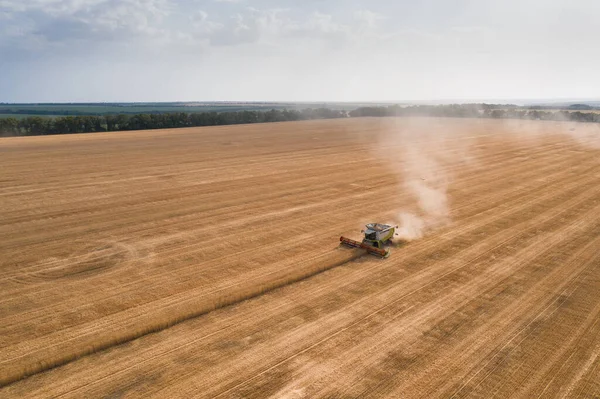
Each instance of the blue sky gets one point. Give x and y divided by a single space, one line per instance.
311 50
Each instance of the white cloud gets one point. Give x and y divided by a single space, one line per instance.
369 18
274 27
203 25
63 21
269 49
324 24
67 20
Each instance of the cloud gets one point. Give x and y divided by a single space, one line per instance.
202 24
288 28
269 27
368 18
314 49
56 21
323 25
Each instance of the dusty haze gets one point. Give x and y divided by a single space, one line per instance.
423 152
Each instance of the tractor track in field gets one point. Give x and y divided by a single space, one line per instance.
537 197
507 315
474 284
556 216
54 363
210 270
516 190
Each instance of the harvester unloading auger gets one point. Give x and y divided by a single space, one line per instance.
377 235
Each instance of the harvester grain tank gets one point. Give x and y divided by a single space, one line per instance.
377 236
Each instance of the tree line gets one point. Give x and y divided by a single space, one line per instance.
495 111
37 125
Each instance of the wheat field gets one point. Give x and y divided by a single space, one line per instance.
204 262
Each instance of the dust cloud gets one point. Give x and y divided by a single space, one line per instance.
422 152
584 134
411 226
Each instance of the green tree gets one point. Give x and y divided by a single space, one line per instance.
9 127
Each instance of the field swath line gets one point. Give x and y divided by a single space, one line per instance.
11 376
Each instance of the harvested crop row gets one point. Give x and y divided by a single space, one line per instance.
206 224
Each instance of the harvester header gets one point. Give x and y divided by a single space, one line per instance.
377 236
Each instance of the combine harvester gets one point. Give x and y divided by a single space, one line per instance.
377 235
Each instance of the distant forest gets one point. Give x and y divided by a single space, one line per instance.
495 111
37 125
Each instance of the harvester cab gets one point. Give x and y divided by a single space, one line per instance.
377 236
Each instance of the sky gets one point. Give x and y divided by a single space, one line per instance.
309 50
